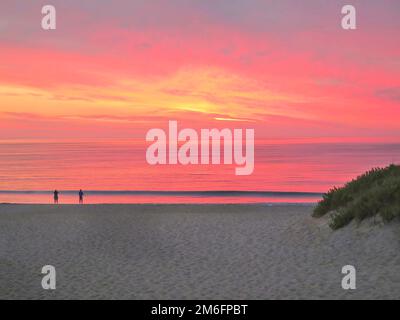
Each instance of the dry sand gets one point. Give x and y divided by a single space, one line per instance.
191 252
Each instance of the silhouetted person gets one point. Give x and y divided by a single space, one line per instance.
81 196
56 196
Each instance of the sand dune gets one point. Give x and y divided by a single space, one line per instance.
191 252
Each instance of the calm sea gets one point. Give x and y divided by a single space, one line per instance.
117 172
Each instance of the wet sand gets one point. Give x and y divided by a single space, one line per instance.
192 252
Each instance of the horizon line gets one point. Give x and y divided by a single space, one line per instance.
163 192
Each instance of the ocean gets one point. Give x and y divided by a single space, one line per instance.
117 172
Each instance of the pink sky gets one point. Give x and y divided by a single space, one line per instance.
119 68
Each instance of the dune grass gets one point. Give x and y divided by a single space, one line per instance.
376 192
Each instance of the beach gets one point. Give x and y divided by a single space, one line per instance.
189 251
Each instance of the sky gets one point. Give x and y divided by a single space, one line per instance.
115 69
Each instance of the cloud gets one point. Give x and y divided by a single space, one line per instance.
119 61
392 94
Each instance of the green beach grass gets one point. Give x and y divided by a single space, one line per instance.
376 192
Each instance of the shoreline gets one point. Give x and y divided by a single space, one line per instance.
158 197
274 204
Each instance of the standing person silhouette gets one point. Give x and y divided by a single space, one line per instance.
56 196
81 196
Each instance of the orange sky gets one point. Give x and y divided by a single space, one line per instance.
117 69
